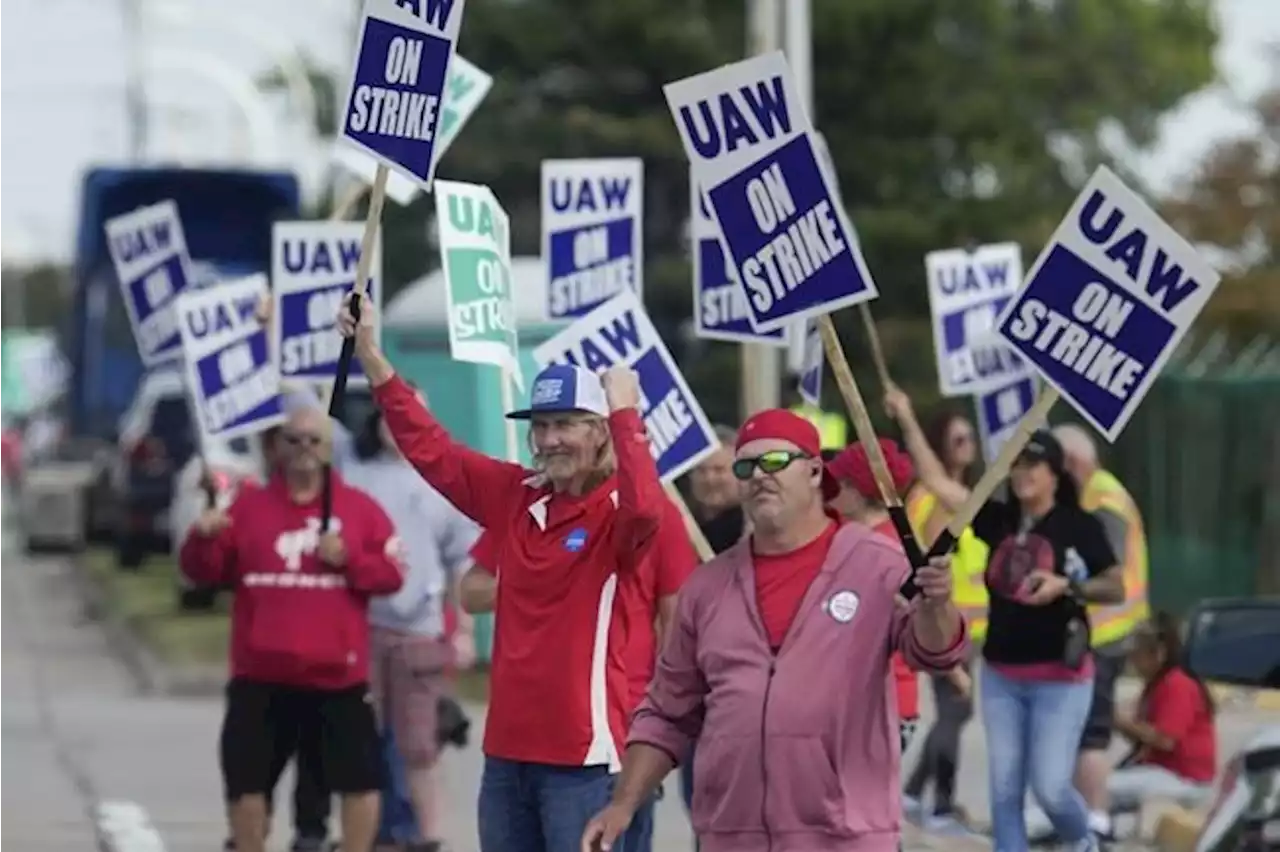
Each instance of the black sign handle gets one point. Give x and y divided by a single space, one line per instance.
337 402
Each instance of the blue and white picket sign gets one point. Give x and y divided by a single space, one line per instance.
149 251
231 377
968 289
394 105
1107 302
313 266
620 332
815 361
1001 409
752 149
592 233
465 87
719 302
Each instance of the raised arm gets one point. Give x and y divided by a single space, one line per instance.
209 556
929 467
482 488
640 495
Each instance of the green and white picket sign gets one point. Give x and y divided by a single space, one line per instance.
475 253
464 89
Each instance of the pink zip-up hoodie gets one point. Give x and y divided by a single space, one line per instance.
798 751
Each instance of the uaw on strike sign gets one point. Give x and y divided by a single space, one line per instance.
1107 302
968 290
398 82
313 266
149 252
719 303
592 232
753 151
620 332
233 382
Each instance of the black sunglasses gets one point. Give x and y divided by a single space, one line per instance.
770 462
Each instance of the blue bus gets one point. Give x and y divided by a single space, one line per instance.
227 216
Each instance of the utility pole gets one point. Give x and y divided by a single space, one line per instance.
135 96
798 45
761 365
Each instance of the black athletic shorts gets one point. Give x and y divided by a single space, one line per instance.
1108 664
266 723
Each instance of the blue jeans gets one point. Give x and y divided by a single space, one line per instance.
398 823
532 807
1033 732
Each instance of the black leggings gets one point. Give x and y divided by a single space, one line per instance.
940 758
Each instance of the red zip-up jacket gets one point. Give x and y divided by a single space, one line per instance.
558 690
295 620
796 751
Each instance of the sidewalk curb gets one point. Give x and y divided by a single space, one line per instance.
152 675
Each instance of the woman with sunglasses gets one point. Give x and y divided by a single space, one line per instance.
571 531
1049 558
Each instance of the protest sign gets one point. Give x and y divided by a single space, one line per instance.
1107 302
719 302
231 377
313 266
1000 410
592 232
476 256
465 87
810 382
752 150
394 104
967 291
149 252
620 332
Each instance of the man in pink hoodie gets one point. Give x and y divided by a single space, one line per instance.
778 665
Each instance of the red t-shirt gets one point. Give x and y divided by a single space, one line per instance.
1176 707
905 682
782 580
663 572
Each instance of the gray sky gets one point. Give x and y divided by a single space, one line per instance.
59 117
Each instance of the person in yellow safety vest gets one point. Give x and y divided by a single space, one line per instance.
1110 626
946 453
832 427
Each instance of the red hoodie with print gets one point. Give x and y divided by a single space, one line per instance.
296 620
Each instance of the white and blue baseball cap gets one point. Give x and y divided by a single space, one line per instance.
562 388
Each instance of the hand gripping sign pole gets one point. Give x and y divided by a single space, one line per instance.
875 456
337 398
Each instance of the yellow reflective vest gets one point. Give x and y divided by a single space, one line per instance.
968 562
832 428
1112 622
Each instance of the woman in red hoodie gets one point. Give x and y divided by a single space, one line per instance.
859 501
299 632
573 531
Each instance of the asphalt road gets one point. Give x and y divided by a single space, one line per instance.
83 748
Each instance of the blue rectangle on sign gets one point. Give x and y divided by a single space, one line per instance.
674 433
589 266
721 306
394 106
1000 411
152 295
309 340
1086 334
236 386
784 232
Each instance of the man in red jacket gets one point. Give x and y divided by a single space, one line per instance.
778 665
299 632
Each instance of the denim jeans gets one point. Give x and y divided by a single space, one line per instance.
532 807
1033 732
398 823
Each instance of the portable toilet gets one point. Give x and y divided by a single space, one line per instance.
467 398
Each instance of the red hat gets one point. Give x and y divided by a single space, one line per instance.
781 425
853 466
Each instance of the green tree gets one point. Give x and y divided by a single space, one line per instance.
949 122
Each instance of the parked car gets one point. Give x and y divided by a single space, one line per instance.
216 473
157 438
1237 641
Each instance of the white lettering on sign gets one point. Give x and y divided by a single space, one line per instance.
404 61
304 352
723 304
323 307
793 255
596 284
158 287
666 422
1070 340
1009 405
242 398
483 317
234 363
